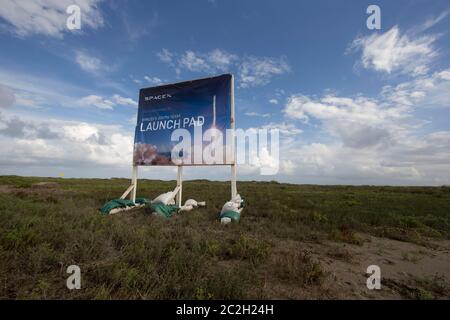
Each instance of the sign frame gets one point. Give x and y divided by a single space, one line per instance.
132 189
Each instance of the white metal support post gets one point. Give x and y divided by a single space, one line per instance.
233 136
233 181
179 196
134 183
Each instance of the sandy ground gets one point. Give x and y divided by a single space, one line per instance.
408 271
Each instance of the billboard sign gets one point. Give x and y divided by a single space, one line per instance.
174 120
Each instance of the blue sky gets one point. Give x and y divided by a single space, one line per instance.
353 105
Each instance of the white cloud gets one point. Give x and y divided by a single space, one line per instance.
15 127
445 75
193 62
221 59
135 80
288 129
75 144
371 140
96 101
165 56
335 108
154 80
255 71
212 61
414 159
263 159
89 63
273 101
47 17
80 132
256 114
392 51
124 101
29 100
216 60
426 91
335 163
432 21
358 122
38 91
105 103
42 144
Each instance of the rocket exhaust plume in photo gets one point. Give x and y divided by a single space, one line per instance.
214 113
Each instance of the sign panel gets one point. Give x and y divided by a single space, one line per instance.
192 106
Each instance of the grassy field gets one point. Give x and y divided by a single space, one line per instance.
274 252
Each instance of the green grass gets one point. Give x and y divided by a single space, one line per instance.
136 255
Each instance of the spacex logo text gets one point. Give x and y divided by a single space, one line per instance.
158 97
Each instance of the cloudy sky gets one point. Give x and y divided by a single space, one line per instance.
353 105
